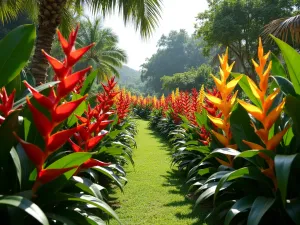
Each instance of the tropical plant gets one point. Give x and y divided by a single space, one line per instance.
105 57
47 180
247 172
50 14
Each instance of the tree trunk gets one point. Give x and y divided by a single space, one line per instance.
50 12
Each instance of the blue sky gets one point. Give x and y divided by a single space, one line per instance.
177 14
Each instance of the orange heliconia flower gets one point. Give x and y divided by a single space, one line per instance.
224 103
262 113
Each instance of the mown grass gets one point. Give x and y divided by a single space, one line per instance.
154 194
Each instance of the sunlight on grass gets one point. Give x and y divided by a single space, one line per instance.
153 195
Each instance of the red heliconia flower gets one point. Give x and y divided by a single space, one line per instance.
95 120
6 105
58 108
122 106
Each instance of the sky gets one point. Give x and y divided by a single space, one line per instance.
176 15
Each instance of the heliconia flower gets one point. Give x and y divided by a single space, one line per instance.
34 153
200 99
58 108
7 102
263 113
46 175
223 102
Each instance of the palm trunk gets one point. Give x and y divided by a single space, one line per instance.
49 18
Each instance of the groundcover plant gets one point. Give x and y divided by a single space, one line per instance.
240 154
61 149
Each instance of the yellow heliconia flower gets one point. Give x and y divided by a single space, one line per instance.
262 113
177 93
154 101
162 100
200 99
225 103
173 97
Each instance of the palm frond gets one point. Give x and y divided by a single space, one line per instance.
284 28
144 14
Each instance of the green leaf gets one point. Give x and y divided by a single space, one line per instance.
61 197
277 67
79 110
244 84
240 206
260 206
202 119
251 153
208 170
88 83
230 176
26 205
216 216
283 165
240 126
15 51
88 186
292 106
108 172
73 159
293 209
10 125
292 58
287 138
285 85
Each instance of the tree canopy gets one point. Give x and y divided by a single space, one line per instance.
177 53
237 24
193 78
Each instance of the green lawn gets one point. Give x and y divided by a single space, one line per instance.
153 195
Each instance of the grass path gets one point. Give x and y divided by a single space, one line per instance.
153 195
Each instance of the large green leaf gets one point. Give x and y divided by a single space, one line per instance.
88 82
15 51
244 84
71 217
61 197
293 209
26 205
285 85
202 119
250 156
240 125
283 165
73 159
79 110
219 212
230 176
291 58
277 67
109 173
260 206
240 206
292 107
88 186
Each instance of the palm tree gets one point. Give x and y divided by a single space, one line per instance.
105 56
144 14
284 28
